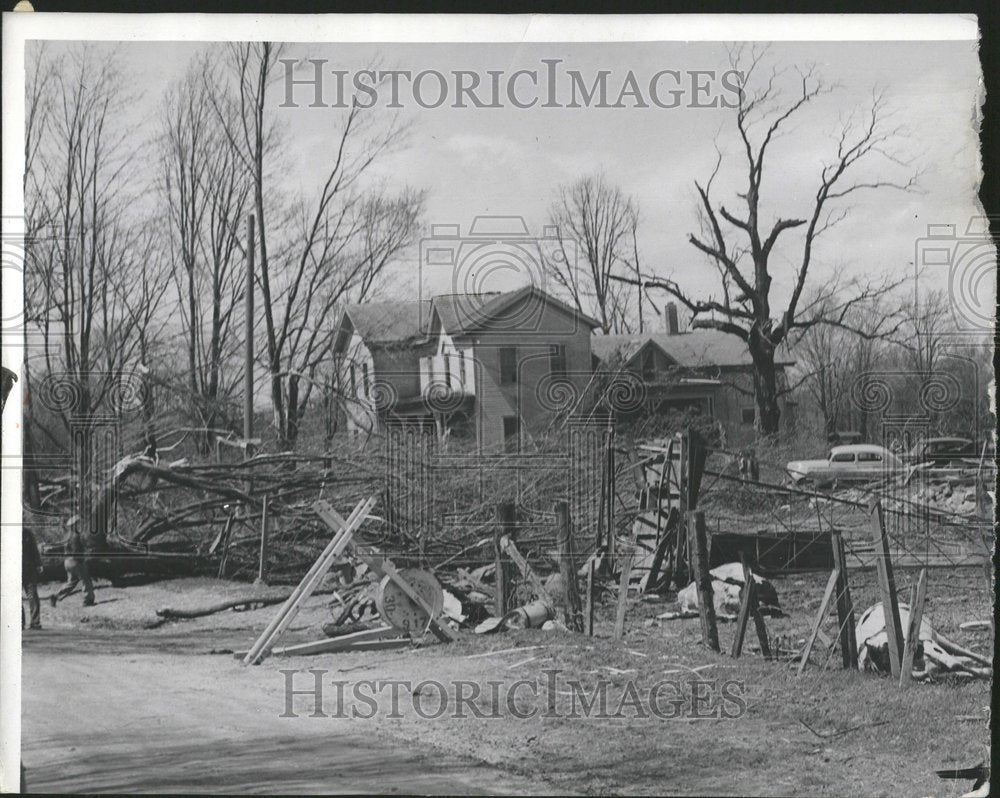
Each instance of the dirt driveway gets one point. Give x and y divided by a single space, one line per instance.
143 717
111 706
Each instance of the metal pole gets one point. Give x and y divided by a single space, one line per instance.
248 385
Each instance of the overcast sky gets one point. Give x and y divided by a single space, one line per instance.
510 161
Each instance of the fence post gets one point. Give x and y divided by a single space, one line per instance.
262 567
706 598
567 567
845 607
887 584
504 565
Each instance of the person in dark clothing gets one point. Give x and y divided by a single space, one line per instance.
76 568
31 569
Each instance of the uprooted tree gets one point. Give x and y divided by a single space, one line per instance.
741 245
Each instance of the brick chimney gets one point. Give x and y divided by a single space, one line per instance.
670 319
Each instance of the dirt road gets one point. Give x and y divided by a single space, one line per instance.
144 717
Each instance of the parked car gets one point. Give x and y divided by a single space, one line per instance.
942 451
857 462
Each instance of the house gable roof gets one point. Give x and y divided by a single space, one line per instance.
467 313
382 324
692 349
402 323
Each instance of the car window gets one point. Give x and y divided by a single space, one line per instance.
869 457
842 457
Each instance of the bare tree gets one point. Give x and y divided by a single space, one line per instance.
80 275
928 327
596 224
323 251
38 263
831 357
741 246
206 192
92 281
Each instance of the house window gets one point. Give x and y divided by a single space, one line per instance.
508 365
747 415
557 360
447 370
364 378
511 434
354 381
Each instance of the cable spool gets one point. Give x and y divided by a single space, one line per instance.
398 610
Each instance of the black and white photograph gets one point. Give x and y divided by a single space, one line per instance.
525 405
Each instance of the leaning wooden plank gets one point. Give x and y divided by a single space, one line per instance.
743 618
706 599
510 549
383 567
361 645
918 594
820 615
623 593
845 607
887 585
309 582
269 635
347 535
665 541
331 644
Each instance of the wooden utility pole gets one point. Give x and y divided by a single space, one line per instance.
567 567
248 379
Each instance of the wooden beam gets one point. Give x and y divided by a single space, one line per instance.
504 575
227 534
508 547
588 614
918 593
341 643
623 593
309 582
887 585
742 619
845 607
831 585
573 615
262 566
750 607
706 598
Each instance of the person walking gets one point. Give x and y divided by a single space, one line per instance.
76 568
31 569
